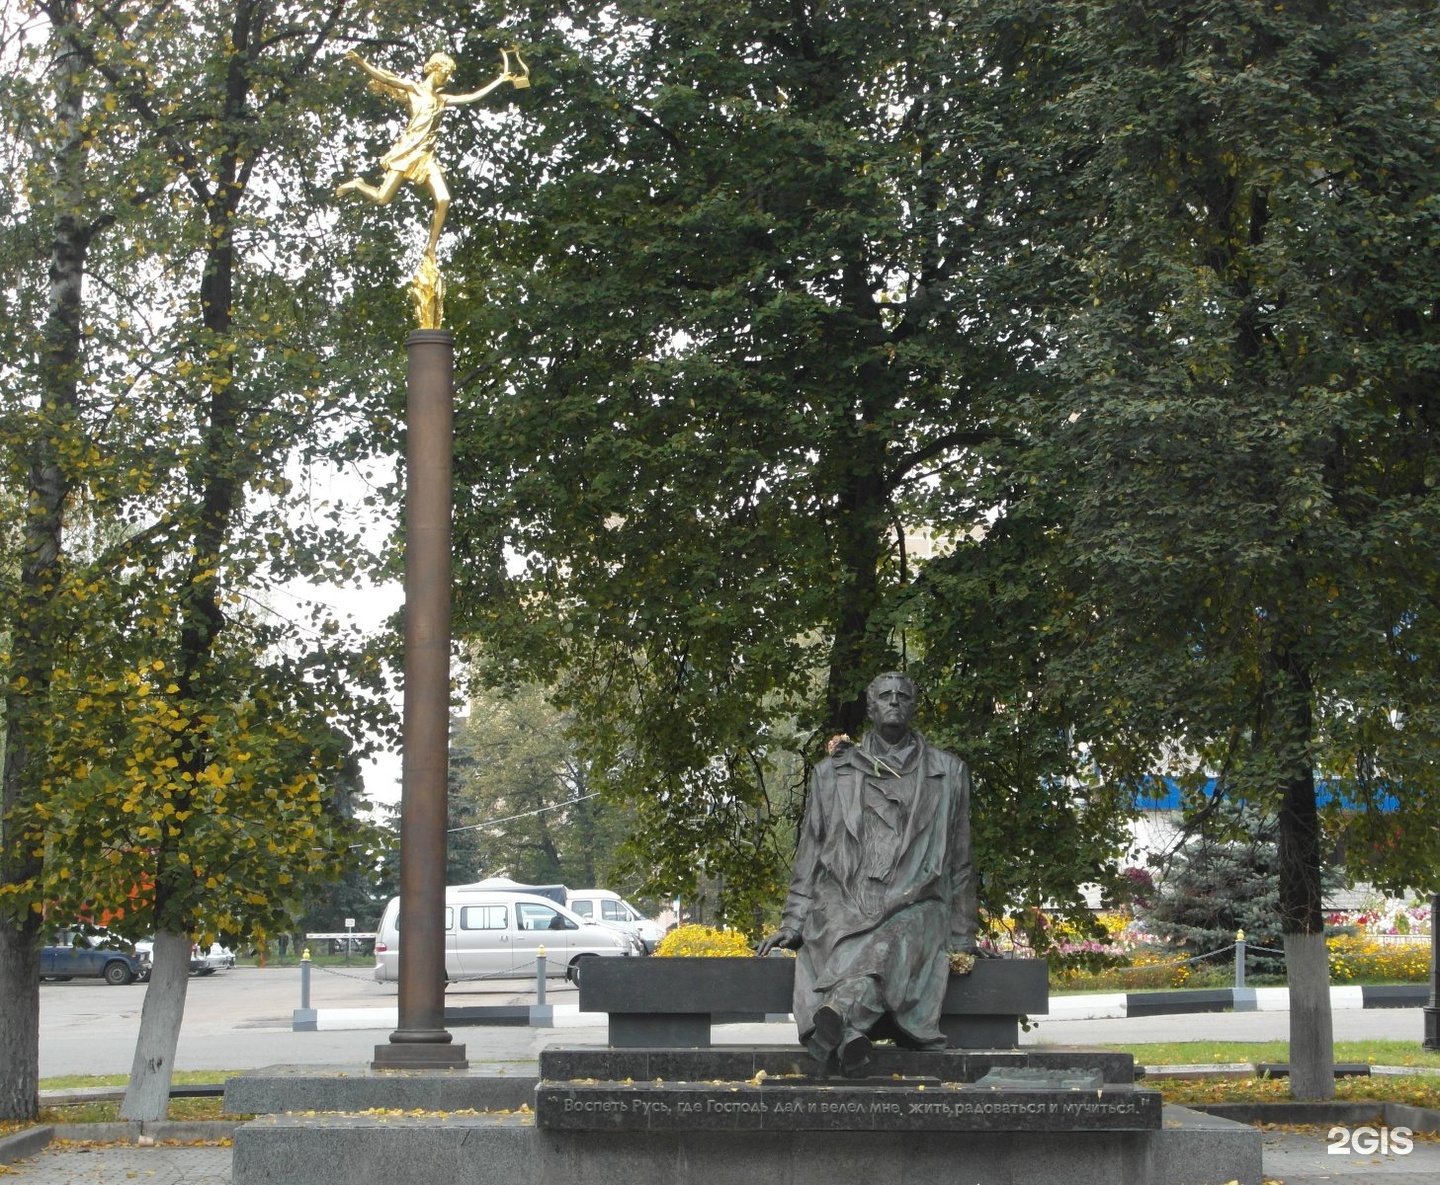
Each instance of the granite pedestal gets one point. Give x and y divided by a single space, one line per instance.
1189 1149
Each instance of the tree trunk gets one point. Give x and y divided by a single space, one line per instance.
33 632
19 1019
201 618
856 654
1312 1036
148 1095
1302 919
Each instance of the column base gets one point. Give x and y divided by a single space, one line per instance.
419 1055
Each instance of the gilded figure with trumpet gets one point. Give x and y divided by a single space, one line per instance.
413 159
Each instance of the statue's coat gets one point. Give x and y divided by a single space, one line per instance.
898 929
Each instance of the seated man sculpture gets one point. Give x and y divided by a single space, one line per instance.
882 888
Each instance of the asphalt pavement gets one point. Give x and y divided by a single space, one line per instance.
242 1019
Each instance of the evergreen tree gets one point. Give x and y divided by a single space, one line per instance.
1220 881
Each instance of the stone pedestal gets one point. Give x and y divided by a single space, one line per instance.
1189 1149
1044 1116
905 1091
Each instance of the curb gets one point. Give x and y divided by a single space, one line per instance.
24 1143
1087 1006
1128 1005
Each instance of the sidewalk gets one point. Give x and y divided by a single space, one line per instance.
1293 1158
112 1164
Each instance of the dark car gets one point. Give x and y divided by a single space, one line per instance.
73 955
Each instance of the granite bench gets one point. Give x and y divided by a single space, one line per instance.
671 1003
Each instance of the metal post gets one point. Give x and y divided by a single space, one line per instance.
1242 999
304 1019
1432 1010
421 1040
540 961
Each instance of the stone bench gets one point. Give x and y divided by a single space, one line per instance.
661 1003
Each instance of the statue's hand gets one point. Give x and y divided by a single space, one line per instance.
784 937
352 55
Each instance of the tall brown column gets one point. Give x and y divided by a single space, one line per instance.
421 1041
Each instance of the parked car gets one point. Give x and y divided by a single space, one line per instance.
217 958
608 908
491 934
74 955
202 962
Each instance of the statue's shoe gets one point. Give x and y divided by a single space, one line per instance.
854 1054
829 1029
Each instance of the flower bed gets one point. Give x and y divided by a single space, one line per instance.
1355 957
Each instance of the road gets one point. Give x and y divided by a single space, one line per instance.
241 1019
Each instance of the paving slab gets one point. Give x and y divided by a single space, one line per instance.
1314 1156
122 1164
1293 1158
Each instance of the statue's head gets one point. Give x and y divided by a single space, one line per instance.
442 65
890 701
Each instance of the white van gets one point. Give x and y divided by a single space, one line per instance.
601 905
497 935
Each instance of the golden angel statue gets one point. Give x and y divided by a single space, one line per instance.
413 156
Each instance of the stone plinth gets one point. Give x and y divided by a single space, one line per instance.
760 1089
1190 1149
277 1089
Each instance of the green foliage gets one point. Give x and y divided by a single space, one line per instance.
1240 431
187 733
733 341
523 797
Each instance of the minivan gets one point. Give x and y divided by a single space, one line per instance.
491 934
609 908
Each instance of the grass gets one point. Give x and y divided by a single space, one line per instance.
1417 1090
180 1078
108 1111
1207 1053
